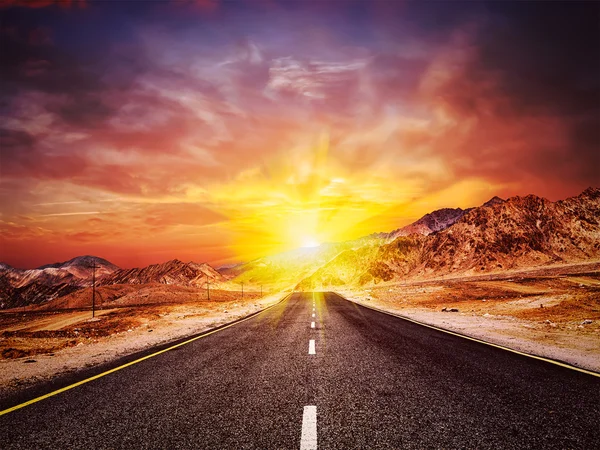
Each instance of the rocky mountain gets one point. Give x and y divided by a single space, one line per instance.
32 286
495 200
430 223
82 266
171 272
521 232
499 235
435 221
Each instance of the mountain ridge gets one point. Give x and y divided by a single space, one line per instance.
169 272
500 234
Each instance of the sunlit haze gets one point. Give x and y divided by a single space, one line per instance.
224 131
310 243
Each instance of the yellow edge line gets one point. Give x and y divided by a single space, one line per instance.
512 350
131 363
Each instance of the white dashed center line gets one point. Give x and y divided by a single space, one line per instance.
313 314
308 440
312 324
311 347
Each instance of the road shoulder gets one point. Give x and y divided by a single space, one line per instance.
520 335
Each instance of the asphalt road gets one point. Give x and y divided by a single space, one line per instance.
376 381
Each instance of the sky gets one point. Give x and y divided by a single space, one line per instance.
222 131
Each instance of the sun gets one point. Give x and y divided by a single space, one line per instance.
310 242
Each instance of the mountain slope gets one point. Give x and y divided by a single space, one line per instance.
31 286
368 264
82 266
431 223
171 272
519 232
285 270
435 221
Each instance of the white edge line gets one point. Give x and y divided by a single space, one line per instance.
481 341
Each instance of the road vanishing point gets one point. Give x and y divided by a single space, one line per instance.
314 371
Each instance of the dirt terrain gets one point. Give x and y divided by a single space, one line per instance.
38 344
552 312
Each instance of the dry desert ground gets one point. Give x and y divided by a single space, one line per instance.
552 312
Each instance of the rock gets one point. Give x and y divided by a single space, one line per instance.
453 310
486 315
444 309
29 361
587 322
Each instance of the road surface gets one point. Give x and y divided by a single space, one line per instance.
358 379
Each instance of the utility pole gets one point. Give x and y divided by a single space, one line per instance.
207 287
261 290
242 290
93 289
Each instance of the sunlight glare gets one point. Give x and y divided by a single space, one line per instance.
310 243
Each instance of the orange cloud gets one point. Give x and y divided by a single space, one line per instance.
226 147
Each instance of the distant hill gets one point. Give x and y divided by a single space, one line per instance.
82 266
36 286
20 287
284 270
171 272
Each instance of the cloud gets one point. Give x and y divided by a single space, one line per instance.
508 118
42 3
78 213
219 120
172 214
